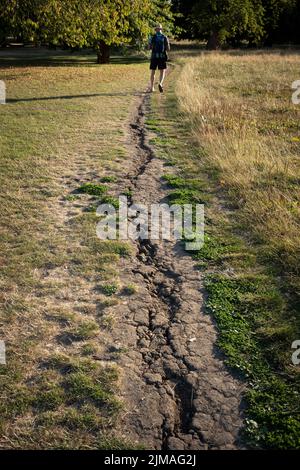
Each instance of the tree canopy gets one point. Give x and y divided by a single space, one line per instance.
232 21
83 23
101 23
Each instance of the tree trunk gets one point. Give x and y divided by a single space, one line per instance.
103 53
214 41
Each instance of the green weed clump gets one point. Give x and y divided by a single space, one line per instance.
109 179
109 289
82 388
112 201
84 330
174 181
93 189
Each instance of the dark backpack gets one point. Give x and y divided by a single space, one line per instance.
159 46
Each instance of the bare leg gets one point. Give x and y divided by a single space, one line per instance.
152 78
161 80
162 77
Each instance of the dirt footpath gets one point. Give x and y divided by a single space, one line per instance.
177 391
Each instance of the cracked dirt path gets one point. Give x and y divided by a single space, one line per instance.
177 391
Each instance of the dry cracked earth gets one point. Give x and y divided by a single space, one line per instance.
177 391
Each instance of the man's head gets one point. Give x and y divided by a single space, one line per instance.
158 28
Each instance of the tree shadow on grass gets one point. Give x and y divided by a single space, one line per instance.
45 58
71 97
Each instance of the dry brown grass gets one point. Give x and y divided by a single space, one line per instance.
234 136
242 114
63 126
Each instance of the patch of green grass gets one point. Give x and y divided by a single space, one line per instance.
218 249
121 249
82 383
177 182
83 418
174 181
61 316
109 179
65 364
113 247
274 415
109 289
273 403
170 163
49 400
93 189
154 125
92 209
84 389
186 196
112 201
83 330
18 402
212 250
128 193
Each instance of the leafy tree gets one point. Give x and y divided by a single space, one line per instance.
85 23
220 20
230 21
280 24
20 18
4 28
185 27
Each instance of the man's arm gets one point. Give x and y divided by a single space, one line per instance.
150 44
167 44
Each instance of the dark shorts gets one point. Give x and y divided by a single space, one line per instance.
160 64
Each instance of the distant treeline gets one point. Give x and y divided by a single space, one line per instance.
234 22
101 23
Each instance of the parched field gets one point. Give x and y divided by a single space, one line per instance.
62 127
113 345
243 115
240 109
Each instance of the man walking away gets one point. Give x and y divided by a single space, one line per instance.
160 46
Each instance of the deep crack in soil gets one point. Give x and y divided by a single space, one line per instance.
177 391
